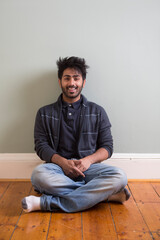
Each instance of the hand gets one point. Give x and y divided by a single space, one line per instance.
71 170
83 164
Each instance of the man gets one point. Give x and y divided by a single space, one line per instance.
73 136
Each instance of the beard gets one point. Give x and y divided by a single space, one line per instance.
72 94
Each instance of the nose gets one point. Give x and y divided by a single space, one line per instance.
71 81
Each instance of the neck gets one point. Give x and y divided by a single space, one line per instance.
70 100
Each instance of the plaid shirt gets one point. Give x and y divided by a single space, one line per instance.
94 130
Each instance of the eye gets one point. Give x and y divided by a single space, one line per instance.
76 78
66 78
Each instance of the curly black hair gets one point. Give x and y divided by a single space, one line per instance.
72 62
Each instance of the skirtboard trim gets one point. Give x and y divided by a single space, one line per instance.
136 166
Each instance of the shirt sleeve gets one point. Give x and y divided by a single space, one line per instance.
105 139
43 146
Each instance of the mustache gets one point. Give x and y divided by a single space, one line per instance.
72 86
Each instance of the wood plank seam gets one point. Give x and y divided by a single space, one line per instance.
4 191
82 225
142 215
155 190
113 219
49 225
145 221
16 225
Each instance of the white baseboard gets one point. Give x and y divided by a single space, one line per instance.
137 166
18 165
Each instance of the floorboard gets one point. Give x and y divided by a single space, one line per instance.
156 187
144 192
35 225
10 208
138 218
98 223
128 220
66 226
3 188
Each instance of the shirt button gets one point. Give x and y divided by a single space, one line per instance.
70 114
70 105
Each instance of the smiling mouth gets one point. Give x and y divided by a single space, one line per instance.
72 89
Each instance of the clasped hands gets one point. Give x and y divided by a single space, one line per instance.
75 168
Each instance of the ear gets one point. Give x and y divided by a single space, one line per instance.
59 81
84 82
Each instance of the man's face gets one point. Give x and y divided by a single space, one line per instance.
71 85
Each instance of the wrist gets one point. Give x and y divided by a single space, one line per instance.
57 159
88 159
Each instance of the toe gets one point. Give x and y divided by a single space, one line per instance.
24 203
127 194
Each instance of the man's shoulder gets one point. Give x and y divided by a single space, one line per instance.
48 108
93 105
51 106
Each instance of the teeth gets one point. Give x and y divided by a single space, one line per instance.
72 88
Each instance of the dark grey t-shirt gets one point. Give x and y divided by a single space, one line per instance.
69 129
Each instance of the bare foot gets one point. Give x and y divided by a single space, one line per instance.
121 197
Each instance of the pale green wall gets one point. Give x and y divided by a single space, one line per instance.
120 41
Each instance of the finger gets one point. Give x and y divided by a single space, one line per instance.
77 162
79 172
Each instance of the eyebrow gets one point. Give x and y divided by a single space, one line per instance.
76 75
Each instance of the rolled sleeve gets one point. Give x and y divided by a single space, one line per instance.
105 139
43 146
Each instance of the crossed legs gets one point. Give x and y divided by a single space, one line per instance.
101 182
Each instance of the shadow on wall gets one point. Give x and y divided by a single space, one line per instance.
31 94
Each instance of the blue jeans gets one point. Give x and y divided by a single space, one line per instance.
73 195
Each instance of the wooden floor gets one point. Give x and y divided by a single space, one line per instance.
138 218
